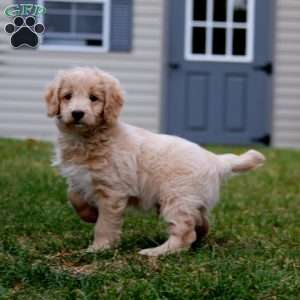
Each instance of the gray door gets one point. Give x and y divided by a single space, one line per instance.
219 70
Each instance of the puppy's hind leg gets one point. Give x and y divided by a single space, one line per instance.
182 234
86 212
202 226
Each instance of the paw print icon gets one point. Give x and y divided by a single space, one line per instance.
24 32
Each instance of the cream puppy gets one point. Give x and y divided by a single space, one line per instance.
110 165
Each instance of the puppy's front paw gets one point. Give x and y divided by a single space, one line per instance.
150 252
99 246
162 250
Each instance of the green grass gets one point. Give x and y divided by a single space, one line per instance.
251 252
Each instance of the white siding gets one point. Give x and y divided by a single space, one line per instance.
286 117
25 73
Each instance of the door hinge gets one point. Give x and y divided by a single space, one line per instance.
174 65
267 68
265 140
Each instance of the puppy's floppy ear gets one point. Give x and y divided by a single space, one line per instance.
52 97
114 99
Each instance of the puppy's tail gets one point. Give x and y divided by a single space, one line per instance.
236 164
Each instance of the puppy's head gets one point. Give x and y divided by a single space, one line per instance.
84 98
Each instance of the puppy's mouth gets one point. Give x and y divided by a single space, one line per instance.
71 124
79 125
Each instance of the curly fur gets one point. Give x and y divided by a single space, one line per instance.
110 165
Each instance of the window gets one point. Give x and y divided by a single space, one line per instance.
76 24
219 30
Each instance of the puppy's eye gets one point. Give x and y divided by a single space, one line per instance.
68 96
93 98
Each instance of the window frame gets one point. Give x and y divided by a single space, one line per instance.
106 30
229 25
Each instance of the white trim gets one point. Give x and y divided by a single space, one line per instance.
218 24
209 29
83 1
229 25
63 48
251 29
105 34
229 31
218 58
187 30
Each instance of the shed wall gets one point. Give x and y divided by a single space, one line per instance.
25 73
286 112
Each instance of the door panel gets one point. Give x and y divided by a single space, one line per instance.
216 90
197 98
235 100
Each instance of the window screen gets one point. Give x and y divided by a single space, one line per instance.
73 23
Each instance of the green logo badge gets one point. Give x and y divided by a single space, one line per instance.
24 10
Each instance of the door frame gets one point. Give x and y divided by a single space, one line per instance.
165 101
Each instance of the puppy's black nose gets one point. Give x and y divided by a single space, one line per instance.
77 115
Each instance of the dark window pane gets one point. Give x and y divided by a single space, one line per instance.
199 10
219 41
220 10
62 41
94 42
57 5
89 6
89 24
57 23
71 41
239 42
240 11
199 36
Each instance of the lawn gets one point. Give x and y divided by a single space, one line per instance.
251 252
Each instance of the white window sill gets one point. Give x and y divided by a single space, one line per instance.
85 49
218 58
